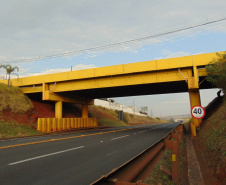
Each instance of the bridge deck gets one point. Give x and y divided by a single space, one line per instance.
149 77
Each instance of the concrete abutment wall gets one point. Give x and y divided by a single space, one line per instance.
56 124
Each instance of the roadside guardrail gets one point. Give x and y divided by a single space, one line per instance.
135 171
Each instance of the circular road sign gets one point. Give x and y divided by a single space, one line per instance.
198 112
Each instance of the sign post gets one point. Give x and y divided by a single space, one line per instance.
198 112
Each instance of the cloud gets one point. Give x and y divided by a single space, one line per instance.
59 70
52 27
169 54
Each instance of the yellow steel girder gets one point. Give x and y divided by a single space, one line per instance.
124 69
124 80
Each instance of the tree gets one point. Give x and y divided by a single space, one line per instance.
9 69
216 71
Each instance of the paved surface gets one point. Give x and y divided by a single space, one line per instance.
75 158
194 172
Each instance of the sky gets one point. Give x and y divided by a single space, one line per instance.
50 36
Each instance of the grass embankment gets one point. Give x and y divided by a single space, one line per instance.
211 141
161 174
11 129
13 100
107 117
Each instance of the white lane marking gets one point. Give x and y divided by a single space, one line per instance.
119 137
142 131
41 156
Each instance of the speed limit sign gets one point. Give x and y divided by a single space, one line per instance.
198 112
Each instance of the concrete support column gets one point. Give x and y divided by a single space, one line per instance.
58 109
85 111
195 100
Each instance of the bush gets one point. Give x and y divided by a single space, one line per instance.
216 71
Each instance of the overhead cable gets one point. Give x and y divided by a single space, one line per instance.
117 43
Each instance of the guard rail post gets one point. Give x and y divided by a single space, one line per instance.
175 161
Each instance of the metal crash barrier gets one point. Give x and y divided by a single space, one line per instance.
55 124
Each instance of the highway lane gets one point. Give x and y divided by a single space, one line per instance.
76 158
18 141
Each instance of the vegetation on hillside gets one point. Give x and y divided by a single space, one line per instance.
107 117
13 99
162 173
11 129
216 71
212 141
132 119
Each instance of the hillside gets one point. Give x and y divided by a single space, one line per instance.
210 143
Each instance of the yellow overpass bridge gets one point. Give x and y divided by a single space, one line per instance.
174 75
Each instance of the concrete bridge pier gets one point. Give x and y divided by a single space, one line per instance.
193 89
85 111
58 109
194 100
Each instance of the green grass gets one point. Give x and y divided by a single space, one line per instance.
214 141
157 176
180 158
12 129
110 122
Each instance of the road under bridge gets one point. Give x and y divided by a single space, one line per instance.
173 75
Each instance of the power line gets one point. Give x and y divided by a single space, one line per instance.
118 43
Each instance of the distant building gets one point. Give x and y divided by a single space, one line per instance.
111 104
2 77
134 108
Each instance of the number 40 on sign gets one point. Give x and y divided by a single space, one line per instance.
198 112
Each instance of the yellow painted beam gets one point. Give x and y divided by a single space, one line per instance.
27 90
125 80
49 89
202 72
139 67
57 97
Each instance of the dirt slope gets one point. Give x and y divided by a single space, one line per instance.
210 143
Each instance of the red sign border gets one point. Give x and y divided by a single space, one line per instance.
201 108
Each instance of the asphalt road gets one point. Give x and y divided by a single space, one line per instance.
78 158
